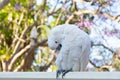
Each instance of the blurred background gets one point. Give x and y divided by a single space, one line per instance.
26 24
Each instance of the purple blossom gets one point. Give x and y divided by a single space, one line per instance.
84 23
88 24
80 24
103 17
64 7
111 1
18 6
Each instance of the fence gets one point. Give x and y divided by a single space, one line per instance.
52 76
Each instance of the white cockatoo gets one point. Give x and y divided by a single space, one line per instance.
74 48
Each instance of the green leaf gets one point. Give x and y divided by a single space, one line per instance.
45 29
3 15
47 7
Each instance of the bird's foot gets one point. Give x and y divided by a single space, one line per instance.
59 72
65 72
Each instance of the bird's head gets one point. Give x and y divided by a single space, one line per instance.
53 43
55 39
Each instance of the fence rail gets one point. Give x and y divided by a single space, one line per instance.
52 76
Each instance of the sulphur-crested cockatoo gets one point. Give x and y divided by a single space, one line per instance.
74 48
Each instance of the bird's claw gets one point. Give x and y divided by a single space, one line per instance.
66 71
59 72
63 72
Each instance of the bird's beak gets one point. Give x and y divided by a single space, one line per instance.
59 47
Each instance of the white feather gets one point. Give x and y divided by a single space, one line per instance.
75 50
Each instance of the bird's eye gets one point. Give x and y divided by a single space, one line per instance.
56 42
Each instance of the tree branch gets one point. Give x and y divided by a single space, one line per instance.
93 12
70 18
54 11
17 53
19 39
26 30
104 47
28 54
17 56
93 64
3 3
44 3
59 17
46 66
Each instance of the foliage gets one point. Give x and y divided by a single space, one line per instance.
20 52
